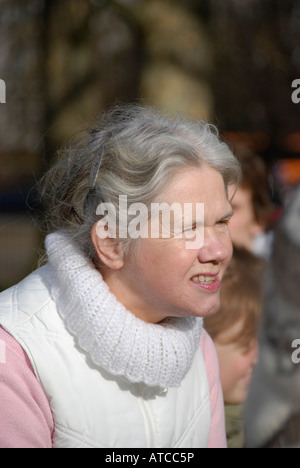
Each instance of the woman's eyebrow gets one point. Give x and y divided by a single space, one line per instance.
227 215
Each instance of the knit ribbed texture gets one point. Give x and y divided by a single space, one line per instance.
116 340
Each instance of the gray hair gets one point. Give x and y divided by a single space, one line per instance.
141 150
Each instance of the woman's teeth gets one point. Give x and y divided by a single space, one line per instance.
203 279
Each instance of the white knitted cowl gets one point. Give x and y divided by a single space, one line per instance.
116 340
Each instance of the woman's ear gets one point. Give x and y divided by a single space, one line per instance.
108 250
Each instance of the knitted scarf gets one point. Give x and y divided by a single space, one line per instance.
116 340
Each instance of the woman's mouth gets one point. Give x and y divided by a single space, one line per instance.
208 282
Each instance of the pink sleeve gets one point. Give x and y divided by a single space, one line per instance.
26 419
217 436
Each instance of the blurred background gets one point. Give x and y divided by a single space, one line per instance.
230 62
234 63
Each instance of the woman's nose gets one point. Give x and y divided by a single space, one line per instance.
215 249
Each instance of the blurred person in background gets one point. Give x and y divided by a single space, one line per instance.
272 410
252 205
234 330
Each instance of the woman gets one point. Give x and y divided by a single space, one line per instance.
102 343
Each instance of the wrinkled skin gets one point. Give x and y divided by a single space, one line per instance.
273 405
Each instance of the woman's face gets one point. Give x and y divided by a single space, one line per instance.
165 278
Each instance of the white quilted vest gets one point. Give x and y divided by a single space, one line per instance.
92 408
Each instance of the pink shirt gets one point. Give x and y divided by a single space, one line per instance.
25 416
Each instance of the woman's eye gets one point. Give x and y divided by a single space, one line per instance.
190 232
224 223
188 228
